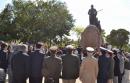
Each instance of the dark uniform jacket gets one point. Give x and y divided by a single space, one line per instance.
3 60
127 63
52 67
20 65
111 69
71 65
36 60
104 69
117 71
2 75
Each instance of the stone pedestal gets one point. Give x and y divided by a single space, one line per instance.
91 37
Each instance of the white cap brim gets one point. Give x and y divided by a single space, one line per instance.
90 49
53 48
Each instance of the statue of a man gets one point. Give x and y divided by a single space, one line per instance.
92 15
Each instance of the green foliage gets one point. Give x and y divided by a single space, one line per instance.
103 36
7 26
103 33
77 31
38 20
118 38
126 48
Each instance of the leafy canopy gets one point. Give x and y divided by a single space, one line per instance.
118 37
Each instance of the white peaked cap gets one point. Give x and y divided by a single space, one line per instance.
70 47
53 48
102 48
105 49
90 49
116 49
110 51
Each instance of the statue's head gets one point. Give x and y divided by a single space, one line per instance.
92 6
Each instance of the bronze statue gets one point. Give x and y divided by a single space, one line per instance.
92 15
93 20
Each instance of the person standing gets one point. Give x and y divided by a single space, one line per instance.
121 65
52 67
116 66
126 77
15 50
89 67
1 42
111 67
105 67
20 65
36 60
4 56
71 65
79 49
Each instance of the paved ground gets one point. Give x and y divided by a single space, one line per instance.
77 81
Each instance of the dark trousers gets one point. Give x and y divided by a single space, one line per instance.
35 79
2 82
120 78
51 80
102 80
19 80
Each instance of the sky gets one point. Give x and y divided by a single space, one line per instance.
115 14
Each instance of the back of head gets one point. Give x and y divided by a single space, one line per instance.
103 50
53 49
23 48
30 48
39 45
1 42
90 51
4 45
69 49
115 51
15 48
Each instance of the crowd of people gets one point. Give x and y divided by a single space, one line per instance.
21 62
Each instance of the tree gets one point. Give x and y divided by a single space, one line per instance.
126 48
118 38
78 30
42 21
103 36
36 21
7 24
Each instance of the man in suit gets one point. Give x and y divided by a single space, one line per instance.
105 66
1 42
4 56
36 60
117 71
52 66
119 66
20 65
71 64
